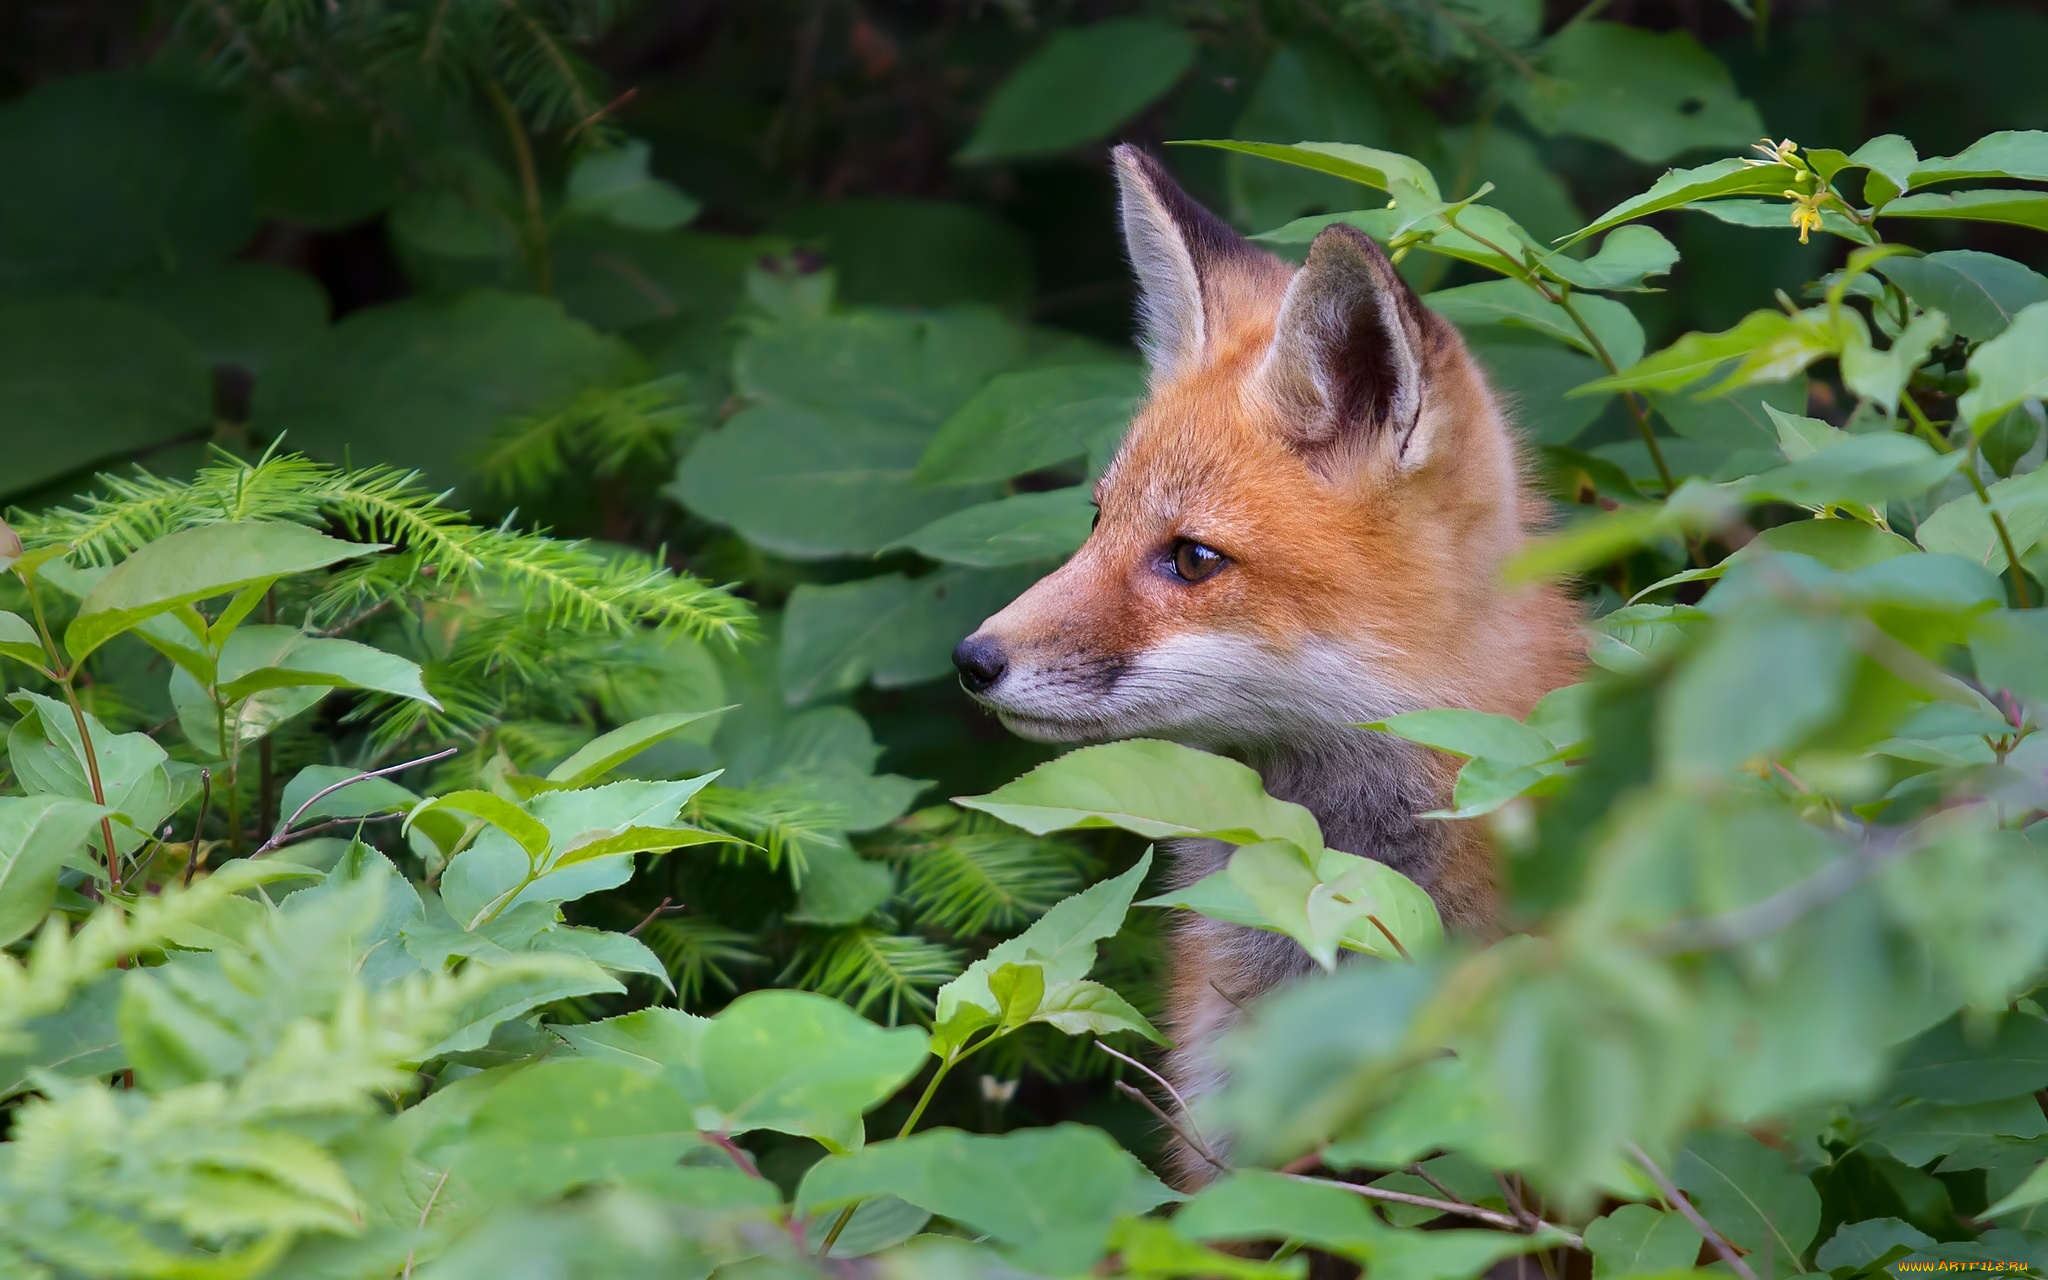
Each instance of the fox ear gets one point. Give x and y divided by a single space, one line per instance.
1346 358
1176 247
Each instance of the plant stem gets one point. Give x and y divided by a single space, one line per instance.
1692 1215
931 1091
1522 272
65 681
529 188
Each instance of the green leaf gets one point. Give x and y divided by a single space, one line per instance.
78 1041
136 779
2017 208
615 185
809 485
518 989
1730 177
1979 292
801 1064
1152 789
916 253
2008 369
636 840
1627 257
1253 1204
1751 1194
1636 1240
1013 530
37 835
1367 166
238 314
1962 526
557 1125
1061 943
425 381
499 812
1651 95
264 657
1532 374
2006 645
1613 326
1856 1246
1325 902
1049 1196
879 366
2030 1192
1769 346
18 640
1469 733
1018 990
1758 687
1918 1132
1869 469
100 380
1089 1008
2009 153
1958 1063
1881 376
889 629
1079 87
608 751
1032 419
104 183
1890 160
198 564
1776 215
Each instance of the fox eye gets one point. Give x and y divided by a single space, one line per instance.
1193 561
1095 520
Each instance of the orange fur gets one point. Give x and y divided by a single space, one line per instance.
1362 578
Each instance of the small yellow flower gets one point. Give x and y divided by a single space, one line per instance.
1806 211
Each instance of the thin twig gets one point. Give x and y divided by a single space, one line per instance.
1678 1201
667 904
198 849
324 792
1501 1220
1507 1190
1194 1143
432 1196
1441 1189
1162 1081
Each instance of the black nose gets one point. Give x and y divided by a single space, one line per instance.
981 663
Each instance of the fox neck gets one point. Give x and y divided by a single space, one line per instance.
1365 789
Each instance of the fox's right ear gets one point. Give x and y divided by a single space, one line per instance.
1175 247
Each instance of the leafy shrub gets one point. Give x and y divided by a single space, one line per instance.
387 892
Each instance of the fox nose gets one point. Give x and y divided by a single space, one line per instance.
981 663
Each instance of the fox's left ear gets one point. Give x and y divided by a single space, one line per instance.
1346 359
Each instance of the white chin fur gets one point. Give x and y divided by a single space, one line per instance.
1200 689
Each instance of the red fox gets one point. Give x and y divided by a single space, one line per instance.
1302 530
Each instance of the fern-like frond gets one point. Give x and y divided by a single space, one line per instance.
576 584
864 967
606 429
781 820
968 874
698 952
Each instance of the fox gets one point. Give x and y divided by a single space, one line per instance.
1302 530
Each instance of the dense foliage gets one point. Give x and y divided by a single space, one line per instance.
391 886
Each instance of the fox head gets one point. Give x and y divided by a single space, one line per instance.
1304 524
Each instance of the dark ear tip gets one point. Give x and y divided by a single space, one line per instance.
1343 239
